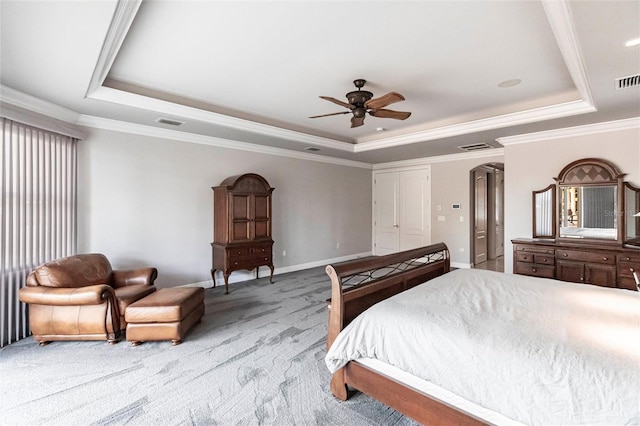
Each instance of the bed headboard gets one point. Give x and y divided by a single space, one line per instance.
358 284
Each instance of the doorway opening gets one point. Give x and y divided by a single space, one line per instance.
487 217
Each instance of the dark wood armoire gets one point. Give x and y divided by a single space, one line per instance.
242 226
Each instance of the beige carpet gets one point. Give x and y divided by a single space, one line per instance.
257 358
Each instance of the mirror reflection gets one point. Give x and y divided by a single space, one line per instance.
589 212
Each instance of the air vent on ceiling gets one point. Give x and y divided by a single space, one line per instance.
169 121
630 81
475 147
312 149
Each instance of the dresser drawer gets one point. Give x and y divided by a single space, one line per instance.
261 250
520 248
542 271
628 263
583 256
524 257
544 259
238 252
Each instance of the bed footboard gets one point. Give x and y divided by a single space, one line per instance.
355 286
359 284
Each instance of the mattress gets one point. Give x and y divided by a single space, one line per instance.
536 351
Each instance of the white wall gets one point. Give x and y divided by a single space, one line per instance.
532 166
148 201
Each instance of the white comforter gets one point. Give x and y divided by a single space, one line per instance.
535 350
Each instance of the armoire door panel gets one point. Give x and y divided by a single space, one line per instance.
262 229
240 230
240 206
261 207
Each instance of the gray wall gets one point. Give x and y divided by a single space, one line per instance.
148 201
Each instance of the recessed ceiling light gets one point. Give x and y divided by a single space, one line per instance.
632 42
510 83
380 129
312 149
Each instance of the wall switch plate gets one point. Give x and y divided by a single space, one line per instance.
461 218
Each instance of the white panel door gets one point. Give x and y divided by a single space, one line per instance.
415 212
386 213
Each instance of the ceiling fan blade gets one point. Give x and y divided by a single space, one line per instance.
356 121
333 113
384 100
336 101
387 113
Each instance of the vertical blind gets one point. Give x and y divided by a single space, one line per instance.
38 177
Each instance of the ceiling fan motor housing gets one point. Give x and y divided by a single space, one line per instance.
359 97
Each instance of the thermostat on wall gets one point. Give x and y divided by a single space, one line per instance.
455 206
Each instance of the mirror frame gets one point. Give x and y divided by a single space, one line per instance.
550 214
629 215
593 172
589 172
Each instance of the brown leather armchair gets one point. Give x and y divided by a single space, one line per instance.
81 298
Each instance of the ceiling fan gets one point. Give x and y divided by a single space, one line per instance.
362 102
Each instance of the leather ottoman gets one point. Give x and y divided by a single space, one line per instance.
166 314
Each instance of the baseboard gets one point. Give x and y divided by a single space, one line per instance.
241 276
460 265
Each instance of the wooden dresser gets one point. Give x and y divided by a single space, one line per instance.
242 226
599 264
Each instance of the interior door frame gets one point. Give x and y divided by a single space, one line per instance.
490 168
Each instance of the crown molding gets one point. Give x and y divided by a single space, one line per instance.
123 16
559 16
22 100
439 159
588 129
122 97
505 120
143 130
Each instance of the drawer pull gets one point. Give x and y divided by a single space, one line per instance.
628 259
631 270
534 270
565 254
605 258
545 260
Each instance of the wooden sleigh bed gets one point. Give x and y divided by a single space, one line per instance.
359 284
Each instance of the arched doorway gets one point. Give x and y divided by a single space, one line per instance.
487 216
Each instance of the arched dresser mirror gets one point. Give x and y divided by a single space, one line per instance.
586 228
